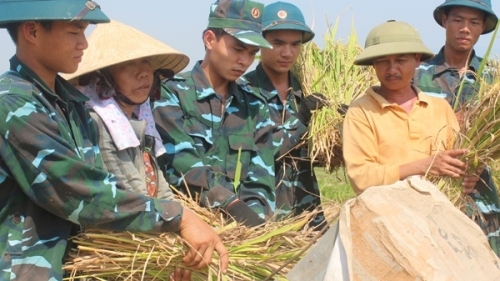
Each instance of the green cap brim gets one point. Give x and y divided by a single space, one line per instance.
394 48
491 18
249 37
308 33
20 11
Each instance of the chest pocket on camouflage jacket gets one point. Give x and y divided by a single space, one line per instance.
219 143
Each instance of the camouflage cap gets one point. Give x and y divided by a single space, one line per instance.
241 19
392 38
491 19
66 10
286 16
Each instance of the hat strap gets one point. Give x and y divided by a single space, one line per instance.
155 91
89 6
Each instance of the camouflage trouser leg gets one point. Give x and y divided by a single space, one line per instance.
491 227
487 202
297 191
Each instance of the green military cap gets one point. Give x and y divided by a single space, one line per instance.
482 5
241 19
392 38
283 15
41 10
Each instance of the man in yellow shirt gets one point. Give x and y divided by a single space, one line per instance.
395 131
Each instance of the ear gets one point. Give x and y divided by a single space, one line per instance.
208 39
484 26
444 18
29 30
418 59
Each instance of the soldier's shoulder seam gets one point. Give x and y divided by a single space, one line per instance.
176 78
11 83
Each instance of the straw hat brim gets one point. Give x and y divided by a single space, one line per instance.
393 48
113 43
491 18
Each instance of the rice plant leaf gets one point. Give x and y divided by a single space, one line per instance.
237 174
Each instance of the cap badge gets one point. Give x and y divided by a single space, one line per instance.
255 13
282 14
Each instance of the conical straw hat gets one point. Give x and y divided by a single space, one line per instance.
114 42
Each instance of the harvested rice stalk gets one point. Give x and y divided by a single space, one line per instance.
480 134
331 72
254 253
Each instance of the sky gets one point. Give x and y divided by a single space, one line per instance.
179 24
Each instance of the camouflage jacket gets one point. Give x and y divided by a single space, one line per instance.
296 185
52 179
203 145
436 78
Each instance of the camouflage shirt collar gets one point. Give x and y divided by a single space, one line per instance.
373 92
65 90
265 83
441 65
204 88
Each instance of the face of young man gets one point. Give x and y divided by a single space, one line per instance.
59 49
286 48
395 72
133 79
463 27
229 57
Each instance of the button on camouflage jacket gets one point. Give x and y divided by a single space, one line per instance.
52 179
297 189
204 146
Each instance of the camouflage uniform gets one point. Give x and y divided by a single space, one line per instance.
52 179
297 189
436 78
203 145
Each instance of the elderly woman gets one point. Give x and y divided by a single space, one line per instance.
120 73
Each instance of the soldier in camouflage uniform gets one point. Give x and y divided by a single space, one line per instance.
464 21
52 178
284 27
216 131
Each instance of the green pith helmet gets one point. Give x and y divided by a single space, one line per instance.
482 5
285 16
392 38
41 10
239 18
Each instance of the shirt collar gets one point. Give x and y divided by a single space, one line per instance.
204 88
372 92
265 83
64 90
441 65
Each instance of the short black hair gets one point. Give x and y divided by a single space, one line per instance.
13 27
217 31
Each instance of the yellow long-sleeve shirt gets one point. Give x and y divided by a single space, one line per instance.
379 136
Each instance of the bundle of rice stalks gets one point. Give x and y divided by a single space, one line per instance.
480 134
254 254
331 72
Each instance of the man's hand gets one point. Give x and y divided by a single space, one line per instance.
312 102
469 183
203 240
446 163
180 274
